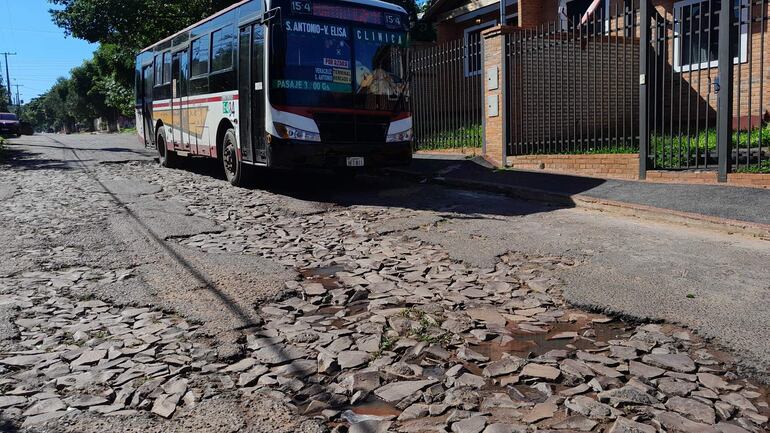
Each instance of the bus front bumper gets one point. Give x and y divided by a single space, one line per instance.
291 154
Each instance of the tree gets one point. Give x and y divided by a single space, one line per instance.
116 77
130 23
3 96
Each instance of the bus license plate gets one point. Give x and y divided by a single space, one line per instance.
355 161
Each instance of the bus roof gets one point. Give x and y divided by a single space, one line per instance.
376 3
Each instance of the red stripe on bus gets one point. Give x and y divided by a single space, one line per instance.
194 101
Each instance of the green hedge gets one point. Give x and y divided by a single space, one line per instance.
672 152
463 137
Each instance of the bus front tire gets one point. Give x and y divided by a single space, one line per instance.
234 169
166 157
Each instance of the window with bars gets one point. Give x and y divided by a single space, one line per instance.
473 60
696 44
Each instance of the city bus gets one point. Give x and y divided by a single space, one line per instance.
281 83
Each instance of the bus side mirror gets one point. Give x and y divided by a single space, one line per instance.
270 15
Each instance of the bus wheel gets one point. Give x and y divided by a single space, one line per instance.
167 158
233 167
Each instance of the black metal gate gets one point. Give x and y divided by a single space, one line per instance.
704 88
573 86
661 80
446 95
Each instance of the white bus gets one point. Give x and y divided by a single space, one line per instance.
281 83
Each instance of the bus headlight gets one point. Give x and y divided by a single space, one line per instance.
400 136
291 133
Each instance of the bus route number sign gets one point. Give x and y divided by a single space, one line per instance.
301 7
228 108
392 21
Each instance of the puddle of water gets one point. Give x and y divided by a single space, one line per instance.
327 271
329 310
524 344
326 276
376 408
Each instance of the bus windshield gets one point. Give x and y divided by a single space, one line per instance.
339 65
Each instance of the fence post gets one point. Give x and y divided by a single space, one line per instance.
504 84
644 59
725 95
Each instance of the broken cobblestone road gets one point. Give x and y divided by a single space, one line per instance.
134 298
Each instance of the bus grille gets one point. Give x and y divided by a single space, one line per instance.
352 128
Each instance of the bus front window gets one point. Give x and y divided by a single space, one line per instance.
317 66
339 66
379 68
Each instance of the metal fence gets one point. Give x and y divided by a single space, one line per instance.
446 95
572 87
660 80
691 66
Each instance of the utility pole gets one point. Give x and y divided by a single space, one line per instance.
8 76
18 98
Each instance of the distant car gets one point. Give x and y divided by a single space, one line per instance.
9 124
26 128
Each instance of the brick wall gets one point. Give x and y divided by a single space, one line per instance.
533 13
611 166
709 177
626 167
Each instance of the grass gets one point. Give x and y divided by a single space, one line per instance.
463 137
428 328
128 131
385 345
686 151
3 148
762 168
669 151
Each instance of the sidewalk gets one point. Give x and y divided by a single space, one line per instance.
730 208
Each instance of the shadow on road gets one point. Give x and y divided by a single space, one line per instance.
7 427
86 149
388 190
26 160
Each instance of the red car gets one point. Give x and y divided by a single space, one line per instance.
9 124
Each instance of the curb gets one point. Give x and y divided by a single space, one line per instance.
649 213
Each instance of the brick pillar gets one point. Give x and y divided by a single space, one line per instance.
533 13
493 101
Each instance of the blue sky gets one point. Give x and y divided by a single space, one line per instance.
43 52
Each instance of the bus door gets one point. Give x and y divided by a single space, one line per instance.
147 84
251 88
178 98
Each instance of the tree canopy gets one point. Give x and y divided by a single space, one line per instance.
130 23
3 95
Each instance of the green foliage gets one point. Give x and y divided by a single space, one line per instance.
686 150
100 87
676 152
760 168
132 24
3 96
463 137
